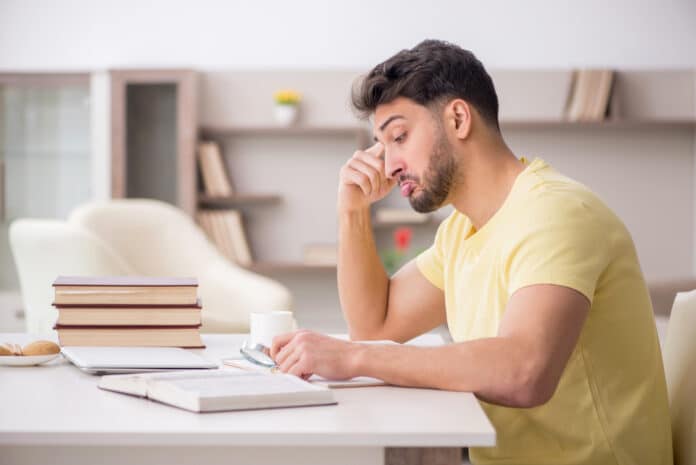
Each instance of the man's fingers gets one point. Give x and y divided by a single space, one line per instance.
279 342
376 150
372 174
285 352
299 369
291 360
376 163
359 179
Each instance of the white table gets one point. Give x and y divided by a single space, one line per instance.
56 414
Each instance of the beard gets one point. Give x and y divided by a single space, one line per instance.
438 179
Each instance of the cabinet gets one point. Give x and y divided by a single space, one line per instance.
153 135
45 153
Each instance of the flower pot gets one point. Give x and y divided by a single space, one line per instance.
285 115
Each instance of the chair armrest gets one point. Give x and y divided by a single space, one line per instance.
229 293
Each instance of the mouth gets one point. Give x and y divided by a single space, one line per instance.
407 188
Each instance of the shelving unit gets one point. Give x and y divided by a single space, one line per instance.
605 124
221 133
286 176
237 200
289 267
432 221
276 130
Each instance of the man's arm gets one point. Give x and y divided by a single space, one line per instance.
375 306
520 367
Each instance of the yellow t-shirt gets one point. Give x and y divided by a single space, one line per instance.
610 406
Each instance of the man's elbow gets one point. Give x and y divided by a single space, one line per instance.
531 388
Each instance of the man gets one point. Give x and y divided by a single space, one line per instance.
538 281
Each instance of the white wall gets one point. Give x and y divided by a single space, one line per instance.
217 34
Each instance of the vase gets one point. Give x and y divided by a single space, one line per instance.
285 115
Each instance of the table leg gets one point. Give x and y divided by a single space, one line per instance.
423 456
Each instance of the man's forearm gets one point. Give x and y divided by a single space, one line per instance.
363 285
496 369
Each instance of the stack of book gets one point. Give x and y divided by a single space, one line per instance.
590 95
128 311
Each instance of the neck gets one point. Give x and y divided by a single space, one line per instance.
485 180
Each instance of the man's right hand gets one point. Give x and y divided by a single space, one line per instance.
362 180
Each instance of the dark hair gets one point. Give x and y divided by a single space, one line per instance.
430 73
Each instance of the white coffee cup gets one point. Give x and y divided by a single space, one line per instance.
264 326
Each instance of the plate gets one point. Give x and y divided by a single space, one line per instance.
26 360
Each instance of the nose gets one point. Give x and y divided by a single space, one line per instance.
393 165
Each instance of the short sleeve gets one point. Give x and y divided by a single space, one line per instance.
562 245
430 262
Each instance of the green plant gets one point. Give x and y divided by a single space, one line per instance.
395 257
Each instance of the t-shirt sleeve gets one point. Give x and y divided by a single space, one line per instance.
565 246
430 262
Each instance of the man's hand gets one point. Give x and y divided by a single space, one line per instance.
362 180
304 353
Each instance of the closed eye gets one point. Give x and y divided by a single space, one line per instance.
400 138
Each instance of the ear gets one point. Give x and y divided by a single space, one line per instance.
458 118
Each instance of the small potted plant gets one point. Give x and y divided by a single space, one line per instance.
394 258
287 104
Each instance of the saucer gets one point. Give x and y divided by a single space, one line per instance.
26 360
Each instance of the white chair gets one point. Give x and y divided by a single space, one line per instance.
44 249
152 238
680 369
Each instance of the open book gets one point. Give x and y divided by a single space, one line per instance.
218 390
360 381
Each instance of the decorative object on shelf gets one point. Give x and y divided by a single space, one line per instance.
320 254
394 216
287 106
394 258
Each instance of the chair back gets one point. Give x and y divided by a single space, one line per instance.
45 249
155 238
680 370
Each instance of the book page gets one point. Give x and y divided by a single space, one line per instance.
217 384
360 381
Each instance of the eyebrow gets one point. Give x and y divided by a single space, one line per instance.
386 123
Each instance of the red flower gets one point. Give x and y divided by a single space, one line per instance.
402 238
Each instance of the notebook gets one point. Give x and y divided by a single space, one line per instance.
102 360
220 390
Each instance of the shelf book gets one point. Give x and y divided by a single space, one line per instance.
216 183
127 311
226 230
590 95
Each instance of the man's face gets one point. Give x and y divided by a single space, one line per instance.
416 153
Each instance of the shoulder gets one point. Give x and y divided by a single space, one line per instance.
552 198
